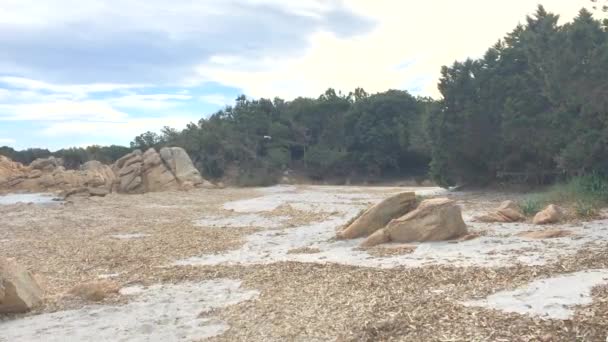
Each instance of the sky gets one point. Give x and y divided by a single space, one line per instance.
98 72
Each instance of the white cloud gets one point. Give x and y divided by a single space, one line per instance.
218 99
7 141
121 132
74 91
96 111
432 33
149 101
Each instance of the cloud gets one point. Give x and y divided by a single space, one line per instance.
7 141
94 111
85 71
129 41
150 101
218 99
404 50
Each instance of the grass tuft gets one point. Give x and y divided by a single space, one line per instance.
585 195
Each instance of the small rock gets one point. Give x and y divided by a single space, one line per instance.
95 291
551 214
546 234
508 211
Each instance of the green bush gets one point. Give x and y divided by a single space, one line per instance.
257 177
531 206
585 194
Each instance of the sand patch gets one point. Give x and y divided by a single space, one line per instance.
553 298
158 313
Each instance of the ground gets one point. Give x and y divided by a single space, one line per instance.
263 264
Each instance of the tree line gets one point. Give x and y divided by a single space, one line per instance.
535 104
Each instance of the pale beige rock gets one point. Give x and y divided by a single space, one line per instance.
551 214
46 164
20 291
379 215
156 175
546 234
436 219
10 171
180 164
95 291
34 174
508 211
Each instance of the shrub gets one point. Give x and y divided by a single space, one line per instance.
531 206
585 194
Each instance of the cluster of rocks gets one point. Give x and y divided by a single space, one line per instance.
136 172
509 211
400 219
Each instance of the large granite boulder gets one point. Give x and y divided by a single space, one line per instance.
128 171
379 216
155 174
180 164
19 291
436 219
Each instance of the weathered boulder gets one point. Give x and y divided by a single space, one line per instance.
180 164
551 214
98 174
436 219
508 211
19 291
128 171
156 175
379 216
10 170
46 164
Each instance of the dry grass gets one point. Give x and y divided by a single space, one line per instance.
71 244
304 250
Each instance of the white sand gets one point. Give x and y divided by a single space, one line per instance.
158 313
500 247
552 298
27 198
129 236
242 221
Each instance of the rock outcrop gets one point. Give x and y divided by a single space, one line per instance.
19 291
152 171
133 173
551 214
434 220
379 216
48 174
508 211
10 170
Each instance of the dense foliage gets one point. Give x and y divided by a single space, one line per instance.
73 157
534 106
333 136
